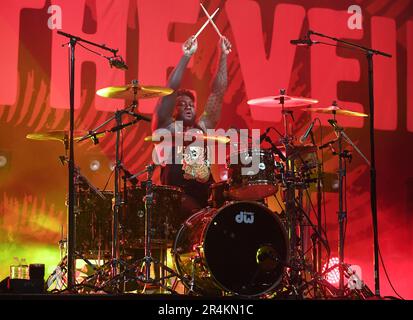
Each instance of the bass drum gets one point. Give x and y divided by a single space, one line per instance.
239 249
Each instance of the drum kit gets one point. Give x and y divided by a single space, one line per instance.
237 245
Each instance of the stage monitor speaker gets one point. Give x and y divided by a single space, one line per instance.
8 285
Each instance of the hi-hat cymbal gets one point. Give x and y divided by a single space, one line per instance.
133 92
336 111
58 135
276 101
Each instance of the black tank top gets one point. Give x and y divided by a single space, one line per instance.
173 174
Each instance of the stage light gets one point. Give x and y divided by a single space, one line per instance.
3 161
333 275
94 165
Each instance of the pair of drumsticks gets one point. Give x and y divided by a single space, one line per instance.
210 17
208 21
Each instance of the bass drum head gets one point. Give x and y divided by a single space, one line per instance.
246 248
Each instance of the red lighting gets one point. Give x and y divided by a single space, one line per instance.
332 276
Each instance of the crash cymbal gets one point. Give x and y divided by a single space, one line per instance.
275 101
133 92
58 135
220 139
336 111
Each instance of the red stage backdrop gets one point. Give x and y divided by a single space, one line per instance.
34 97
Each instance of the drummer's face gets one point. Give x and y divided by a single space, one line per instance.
185 110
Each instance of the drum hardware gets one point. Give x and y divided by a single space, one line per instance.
369 53
343 156
293 178
131 91
74 40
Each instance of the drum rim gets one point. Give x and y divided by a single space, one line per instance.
204 251
185 224
234 188
160 187
256 182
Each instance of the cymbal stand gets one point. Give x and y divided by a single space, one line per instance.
289 182
317 252
343 155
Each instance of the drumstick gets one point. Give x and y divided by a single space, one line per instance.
205 24
210 20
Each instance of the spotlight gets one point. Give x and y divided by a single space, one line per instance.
333 275
3 161
94 165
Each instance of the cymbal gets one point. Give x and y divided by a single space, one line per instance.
275 101
133 92
58 135
336 111
220 139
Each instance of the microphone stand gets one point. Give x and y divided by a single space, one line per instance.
71 245
369 52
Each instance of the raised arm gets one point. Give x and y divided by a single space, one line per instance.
164 110
212 112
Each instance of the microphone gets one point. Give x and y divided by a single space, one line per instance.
303 42
118 63
307 132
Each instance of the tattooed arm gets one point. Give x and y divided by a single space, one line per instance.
163 115
212 112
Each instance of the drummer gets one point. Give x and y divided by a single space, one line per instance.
177 110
